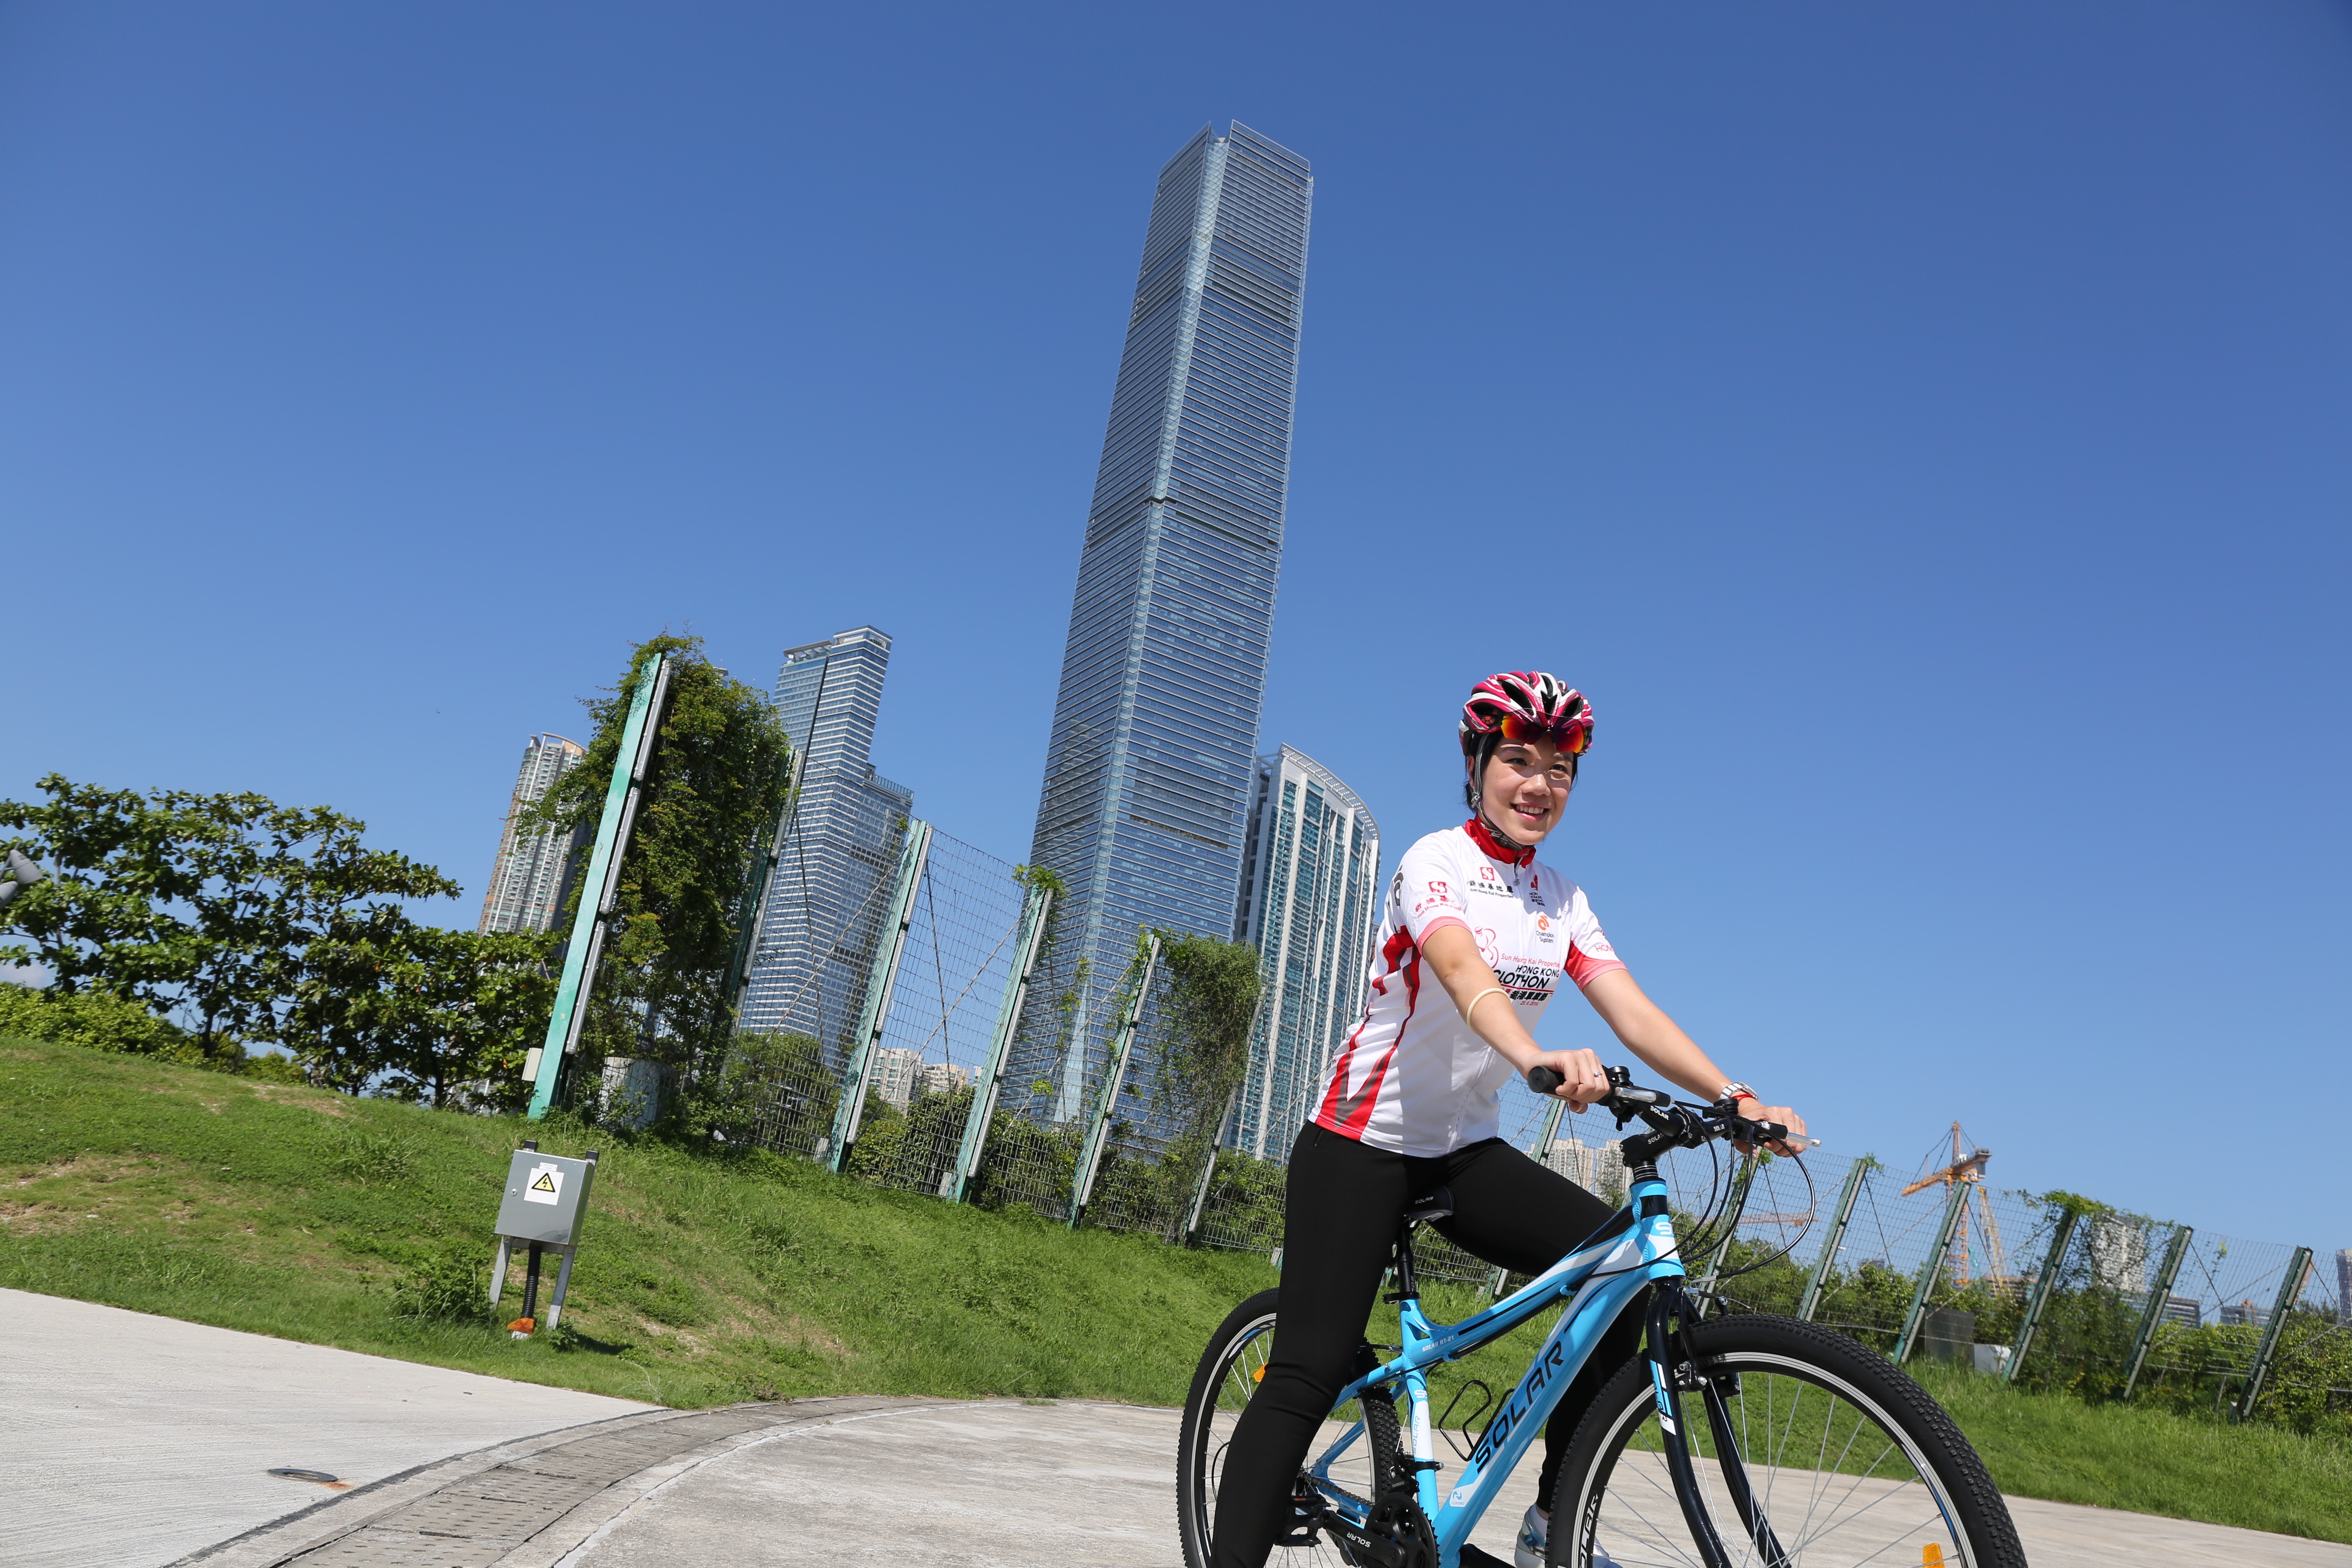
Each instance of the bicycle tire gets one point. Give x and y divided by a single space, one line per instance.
1209 1407
1606 1509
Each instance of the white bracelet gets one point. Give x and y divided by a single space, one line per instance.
1736 1091
1490 991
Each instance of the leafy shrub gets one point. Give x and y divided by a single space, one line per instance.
449 1286
98 1020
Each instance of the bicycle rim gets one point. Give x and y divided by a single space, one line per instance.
1834 1472
1240 1365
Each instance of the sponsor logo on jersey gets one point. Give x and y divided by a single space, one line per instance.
1528 982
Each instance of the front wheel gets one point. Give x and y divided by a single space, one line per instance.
1845 1460
1228 1375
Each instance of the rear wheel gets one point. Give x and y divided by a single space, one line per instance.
1229 1373
1847 1460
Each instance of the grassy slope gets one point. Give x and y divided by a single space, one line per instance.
289 1210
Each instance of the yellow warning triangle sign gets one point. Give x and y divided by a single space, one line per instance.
546 1182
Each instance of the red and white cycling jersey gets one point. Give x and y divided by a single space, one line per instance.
1413 1077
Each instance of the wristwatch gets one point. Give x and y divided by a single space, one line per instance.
1735 1091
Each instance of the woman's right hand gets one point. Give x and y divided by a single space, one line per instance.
1583 1080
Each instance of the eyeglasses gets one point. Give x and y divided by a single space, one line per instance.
1571 738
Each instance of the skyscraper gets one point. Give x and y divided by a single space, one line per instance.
1310 904
826 901
531 876
1148 768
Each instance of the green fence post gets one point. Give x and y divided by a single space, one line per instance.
2290 1289
622 793
1082 1185
2038 1297
1836 1239
986 1083
879 983
1209 1166
1931 1269
1732 1209
2158 1297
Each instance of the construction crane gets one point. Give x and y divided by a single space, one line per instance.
1968 1168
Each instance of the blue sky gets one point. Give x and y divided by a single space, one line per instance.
1922 431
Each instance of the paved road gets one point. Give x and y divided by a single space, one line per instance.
131 1441
126 1439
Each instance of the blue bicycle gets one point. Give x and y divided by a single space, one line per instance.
1810 1450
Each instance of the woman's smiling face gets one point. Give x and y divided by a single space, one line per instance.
1525 788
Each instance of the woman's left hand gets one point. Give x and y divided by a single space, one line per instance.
1757 1111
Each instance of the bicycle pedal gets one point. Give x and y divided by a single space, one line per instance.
1474 1558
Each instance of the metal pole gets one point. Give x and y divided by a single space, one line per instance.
1209 1169
851 1110
2289 1290
637 735
991 1077
2038 1297
1733 1209
1081 1188
1930 1270
1831 1244
2156 1299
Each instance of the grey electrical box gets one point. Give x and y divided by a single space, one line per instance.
545 1197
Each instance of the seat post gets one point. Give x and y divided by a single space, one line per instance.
1408 1289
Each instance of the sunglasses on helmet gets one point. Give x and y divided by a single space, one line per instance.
1571 738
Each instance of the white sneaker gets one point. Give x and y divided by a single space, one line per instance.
1535 1533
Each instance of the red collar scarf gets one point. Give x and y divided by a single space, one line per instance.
1495 847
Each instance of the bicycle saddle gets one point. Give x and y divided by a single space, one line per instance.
1437 1203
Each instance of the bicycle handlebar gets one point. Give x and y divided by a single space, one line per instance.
1628 1101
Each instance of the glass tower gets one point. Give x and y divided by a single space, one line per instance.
533 873
825 902
1148 764
1311 905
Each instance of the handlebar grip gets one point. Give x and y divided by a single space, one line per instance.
1543 1080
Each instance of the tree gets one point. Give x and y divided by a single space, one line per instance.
202 905
419 1010
714 791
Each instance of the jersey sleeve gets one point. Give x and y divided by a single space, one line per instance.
1429 890
1589 956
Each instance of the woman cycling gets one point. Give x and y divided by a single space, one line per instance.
1410 1100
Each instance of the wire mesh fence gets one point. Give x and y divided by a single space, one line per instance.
934 1039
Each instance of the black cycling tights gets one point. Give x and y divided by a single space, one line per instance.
1340 1220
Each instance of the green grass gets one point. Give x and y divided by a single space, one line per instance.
2151 1461
289 1210
295 1211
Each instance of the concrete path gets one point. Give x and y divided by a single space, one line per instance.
129 1440
133 1442
995 1483
978 1484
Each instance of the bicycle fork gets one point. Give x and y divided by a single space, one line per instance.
1672 1370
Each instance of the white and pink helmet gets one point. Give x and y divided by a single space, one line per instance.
1526 705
